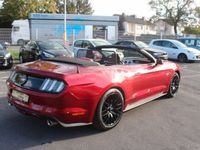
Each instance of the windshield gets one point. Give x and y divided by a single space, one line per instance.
101 42
141 44
49 45
179 44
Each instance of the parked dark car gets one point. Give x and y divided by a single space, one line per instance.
190 42
139 44
34 50
6 60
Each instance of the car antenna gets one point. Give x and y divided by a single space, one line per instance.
77 67
78 71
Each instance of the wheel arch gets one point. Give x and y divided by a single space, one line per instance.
102 94
177 71
182 53
97 120
121 90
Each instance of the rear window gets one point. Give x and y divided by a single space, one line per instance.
157 43
78 44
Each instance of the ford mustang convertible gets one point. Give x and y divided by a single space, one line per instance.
95 88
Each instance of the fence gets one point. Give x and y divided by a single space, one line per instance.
143 37
5 34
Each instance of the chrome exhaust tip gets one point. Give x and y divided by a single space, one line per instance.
9 104
51 123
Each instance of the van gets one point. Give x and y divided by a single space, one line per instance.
190 42
20 32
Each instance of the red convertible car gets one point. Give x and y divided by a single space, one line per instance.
95 88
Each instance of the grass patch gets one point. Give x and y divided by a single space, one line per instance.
15 54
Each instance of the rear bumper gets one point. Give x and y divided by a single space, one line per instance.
58 107
165 57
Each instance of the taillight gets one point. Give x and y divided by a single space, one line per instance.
52 86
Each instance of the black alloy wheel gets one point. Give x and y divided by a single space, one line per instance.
174 85
182 58
10 63
109 110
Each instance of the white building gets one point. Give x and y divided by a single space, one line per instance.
136 26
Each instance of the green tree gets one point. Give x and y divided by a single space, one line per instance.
75 6
20 9
192 30
174 11
197 10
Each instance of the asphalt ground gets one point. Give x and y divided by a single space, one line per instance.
163 124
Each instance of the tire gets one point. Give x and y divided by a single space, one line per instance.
174 86
10 63
109 110
21 59
182 58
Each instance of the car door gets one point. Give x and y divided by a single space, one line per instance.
77 45
145 78
33 49
171 49
25 51
157 45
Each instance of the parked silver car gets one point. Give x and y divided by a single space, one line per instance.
88 44
176 50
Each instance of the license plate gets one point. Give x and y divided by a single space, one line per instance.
20 96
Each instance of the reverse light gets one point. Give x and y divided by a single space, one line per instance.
52 86
7 55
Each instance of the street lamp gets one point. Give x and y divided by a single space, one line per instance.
65 23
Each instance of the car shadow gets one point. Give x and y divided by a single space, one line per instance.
23 131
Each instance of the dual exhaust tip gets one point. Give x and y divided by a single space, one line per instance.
49 121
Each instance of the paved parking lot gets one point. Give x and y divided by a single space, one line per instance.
164 124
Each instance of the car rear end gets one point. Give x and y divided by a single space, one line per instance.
40 89
5 59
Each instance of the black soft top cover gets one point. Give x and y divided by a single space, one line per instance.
74 61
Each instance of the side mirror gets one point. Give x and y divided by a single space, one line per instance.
174 47
159 61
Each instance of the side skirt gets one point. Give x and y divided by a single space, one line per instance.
73 124
143 101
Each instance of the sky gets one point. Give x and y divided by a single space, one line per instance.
140 8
